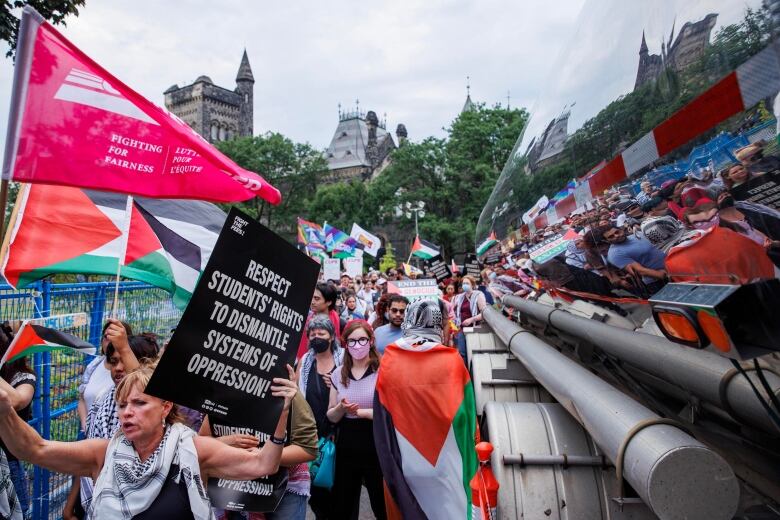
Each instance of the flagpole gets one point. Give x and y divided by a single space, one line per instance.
20 197
3 204
121 260
410 252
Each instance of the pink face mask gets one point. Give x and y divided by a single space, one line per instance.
359 351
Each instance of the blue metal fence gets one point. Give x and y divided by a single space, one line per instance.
55 416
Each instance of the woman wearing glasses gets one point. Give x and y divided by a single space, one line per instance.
351 408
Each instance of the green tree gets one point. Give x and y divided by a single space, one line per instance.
54 11
293 168
388 261
453 176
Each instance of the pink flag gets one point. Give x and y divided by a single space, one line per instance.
73 123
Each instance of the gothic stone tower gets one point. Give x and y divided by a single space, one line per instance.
245 86
216 113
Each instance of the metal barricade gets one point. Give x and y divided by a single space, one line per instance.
54 407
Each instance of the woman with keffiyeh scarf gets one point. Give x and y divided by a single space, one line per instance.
154 467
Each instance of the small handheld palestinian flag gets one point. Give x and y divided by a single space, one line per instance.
424 249
34 338
489 242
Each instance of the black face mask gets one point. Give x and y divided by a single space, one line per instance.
319 345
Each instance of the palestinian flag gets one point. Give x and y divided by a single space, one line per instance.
58 229
35 338
425 430
489 242
424 249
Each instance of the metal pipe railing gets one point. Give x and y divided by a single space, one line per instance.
676 475
706 375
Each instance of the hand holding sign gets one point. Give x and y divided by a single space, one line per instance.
285 387
240 440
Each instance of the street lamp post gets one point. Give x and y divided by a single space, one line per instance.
408 209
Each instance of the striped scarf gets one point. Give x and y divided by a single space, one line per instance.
127 486
9 504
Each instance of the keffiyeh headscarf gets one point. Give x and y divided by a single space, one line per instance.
423 320
9 503
127 486
664 232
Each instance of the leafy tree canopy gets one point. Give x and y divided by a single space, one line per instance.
293 168
55 11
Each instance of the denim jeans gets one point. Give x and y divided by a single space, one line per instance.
292 507
21 485
460 343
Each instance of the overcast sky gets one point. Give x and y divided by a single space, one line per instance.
408 59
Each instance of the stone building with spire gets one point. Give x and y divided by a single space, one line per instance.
361 147
216 113
677 53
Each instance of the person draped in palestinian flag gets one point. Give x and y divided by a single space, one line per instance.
425 422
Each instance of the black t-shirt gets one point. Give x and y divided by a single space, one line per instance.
17 380
173 502
318 397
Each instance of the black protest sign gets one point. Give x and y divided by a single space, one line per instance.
437 268
493 256
762 189
472 266
258 495
241 327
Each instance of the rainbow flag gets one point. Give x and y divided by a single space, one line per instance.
36 338
339 243
311 235
424 429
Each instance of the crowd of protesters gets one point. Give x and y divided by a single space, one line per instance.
143 457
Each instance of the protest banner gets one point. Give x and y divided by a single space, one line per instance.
353 266
438 268
259 495
762 189
415 289
472 266
331 269
551 247
241 328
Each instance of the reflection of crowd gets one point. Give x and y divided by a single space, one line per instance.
693 229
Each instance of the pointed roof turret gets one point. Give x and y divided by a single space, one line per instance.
643 48
468 106
244 70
